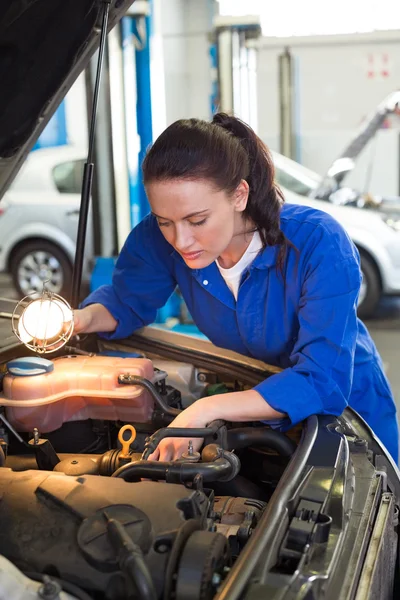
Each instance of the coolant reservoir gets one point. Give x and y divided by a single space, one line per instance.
45 394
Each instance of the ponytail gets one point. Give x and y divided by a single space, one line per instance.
265 198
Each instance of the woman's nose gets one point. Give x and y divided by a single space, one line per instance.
183 239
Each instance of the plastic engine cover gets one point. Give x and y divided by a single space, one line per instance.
52 519
79 387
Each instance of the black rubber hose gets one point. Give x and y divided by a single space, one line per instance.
182 536
244 437
151 388
179 472
130 558
138 573
178 432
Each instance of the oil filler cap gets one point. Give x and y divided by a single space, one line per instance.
29 366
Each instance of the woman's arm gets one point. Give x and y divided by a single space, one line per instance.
142 282
236 406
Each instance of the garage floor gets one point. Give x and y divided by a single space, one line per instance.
384 328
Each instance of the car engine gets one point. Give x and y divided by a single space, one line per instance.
105 522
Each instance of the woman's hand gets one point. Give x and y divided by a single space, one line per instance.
82 320
173 448
243 406
93 318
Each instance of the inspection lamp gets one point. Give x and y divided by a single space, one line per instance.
43 323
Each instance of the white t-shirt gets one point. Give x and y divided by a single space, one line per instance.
233 275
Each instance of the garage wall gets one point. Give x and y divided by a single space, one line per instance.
185 27
76 115
338 81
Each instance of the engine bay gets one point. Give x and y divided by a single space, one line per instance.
86 514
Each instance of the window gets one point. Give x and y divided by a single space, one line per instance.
294 184
68 176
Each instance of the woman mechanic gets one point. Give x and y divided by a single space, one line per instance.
272 281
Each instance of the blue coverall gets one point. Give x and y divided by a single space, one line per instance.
303 320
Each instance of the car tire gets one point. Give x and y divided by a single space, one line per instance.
37 262
372 288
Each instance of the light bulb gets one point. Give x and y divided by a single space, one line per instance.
43 320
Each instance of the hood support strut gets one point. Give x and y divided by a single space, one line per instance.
88 169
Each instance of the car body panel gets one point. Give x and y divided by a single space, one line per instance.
33 231
34 209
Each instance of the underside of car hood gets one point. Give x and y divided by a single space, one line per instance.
44 46
345 163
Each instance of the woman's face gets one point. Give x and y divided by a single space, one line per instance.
199 221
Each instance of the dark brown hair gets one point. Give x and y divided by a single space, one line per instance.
223 151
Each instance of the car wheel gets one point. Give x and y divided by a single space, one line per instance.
39 262
370 291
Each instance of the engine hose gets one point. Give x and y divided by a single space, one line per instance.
244 437
182 536
108 462
130 558
137 571
179 432
221 469
129 379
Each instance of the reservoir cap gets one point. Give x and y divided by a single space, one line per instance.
29 366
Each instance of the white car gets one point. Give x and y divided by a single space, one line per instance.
375 233
39 221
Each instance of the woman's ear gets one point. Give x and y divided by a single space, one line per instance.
241 196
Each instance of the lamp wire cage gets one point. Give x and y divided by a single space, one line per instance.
39 337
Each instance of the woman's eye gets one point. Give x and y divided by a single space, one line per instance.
162 224
198 222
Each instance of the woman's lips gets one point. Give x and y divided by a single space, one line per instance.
192 255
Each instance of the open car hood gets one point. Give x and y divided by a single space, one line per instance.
44 46
345 163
